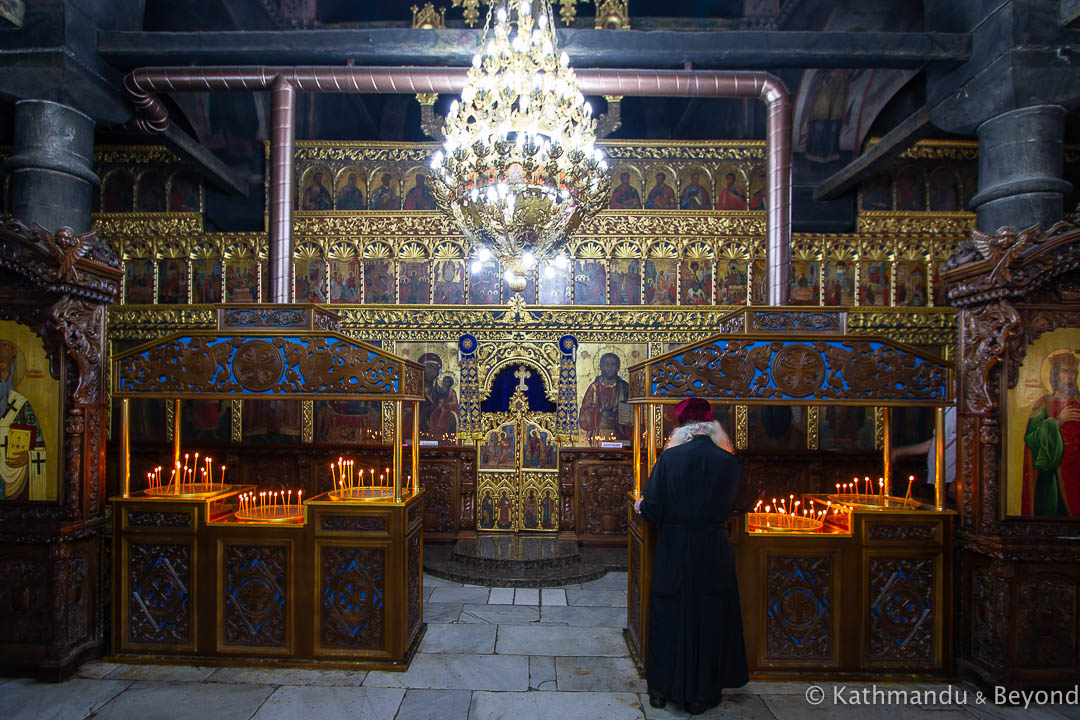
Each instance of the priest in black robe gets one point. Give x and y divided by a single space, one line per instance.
696 644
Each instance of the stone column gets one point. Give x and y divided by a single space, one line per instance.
1021 154
52 176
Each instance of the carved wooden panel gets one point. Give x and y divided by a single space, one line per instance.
902 532
254 602
602 489
23 600
159 593
989 605
354 523
439 482
467 510
633 600
799 607
901 608
352 597
78 589
413 552
1045 615
145 518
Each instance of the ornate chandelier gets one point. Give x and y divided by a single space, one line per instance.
519 170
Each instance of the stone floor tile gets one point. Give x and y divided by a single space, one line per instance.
541 672
559 641
346 703
162 673
500 614
501 596
781 687
611 581
435 705
458 672
553 597
596 598
441 612
24 699
555 706
460 638
288 676
460 594
989 711
793 707
432 581
427 591
527 596
598 674
185 701
732 707
583 616
96 669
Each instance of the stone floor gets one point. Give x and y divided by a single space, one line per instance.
525 654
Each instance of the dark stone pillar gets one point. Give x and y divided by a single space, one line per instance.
52 176
1021 154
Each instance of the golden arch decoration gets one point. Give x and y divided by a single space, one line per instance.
540 358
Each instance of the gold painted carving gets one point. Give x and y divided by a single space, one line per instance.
307 427
812 427
742 422
954 224
236 425
146 224
428 18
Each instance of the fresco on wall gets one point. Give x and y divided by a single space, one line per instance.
449 282
839 282
29 417
242 281
414 285
590 282
625 281
138 281
485 283
1043 429
345 280
805 287
172 280
911 283
874 283
310 276
731 282
206 280
696 279
378 280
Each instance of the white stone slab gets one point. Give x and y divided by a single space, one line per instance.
558 640
162 673
459 595
289 703
582 616
458 672
435 705
598 674
460 638
501 596
288 676
185 701
24 699
555 706
527 596
596 598
432 581
611 581
500 614
441 612
553 597
542 672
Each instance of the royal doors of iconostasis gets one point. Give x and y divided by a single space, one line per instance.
518 469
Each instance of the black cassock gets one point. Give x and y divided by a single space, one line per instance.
695 626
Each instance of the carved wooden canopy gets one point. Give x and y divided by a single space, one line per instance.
283 351
794 357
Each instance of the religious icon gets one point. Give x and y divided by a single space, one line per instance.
242 281
347 421
539 451
384 195
605 412
497 448
661 196
554 286
839 282
731 282
625 281
378 280
626 195
439 409
944 190
485 282
696 278
172 280
310 280
661 286
419 195
910 190
183 194
804 282
758 192
449 282
590 282
206 280
695 193
272 421
29 417
1043 429
345 280
731 195
205 420
845 428
350 190
151 193
759 282
911 283
314 194
138 281
504 517
549 511
874 283
530 511
487 512
776 427
414 286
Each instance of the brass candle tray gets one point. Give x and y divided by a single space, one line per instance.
874 502
188 490
362 494
271 514
782 522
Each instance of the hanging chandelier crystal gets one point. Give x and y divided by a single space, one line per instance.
519 170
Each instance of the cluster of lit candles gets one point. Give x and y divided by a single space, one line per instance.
346 476
271 502
862 492
184 479
784 511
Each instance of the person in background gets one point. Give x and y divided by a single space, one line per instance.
926 448
696 646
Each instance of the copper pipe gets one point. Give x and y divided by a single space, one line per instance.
141 84
282 147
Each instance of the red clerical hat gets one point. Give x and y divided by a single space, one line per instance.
692 410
